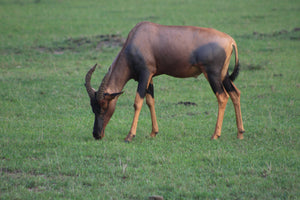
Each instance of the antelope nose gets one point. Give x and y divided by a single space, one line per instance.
97 136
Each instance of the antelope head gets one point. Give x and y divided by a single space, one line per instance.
103 104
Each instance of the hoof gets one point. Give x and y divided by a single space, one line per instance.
215 137
240 135
153 134
126 140
129 138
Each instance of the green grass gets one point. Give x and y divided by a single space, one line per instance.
47 149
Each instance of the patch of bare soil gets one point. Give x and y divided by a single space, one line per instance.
97 43
292 35
186 103
111 41
253 67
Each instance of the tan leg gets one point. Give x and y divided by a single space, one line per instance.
151 104
235 97
138 103
222 101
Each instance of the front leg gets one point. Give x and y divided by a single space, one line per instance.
138 103
144 80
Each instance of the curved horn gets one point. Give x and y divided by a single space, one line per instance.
91 91
100 93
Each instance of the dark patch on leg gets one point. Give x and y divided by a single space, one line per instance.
215 84
135 60
210 54
150 90
138 67
143 81
228 85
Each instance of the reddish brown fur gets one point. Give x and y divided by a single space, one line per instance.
179 51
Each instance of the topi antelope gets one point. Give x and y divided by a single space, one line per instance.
179 51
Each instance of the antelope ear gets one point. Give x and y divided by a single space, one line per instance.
109 97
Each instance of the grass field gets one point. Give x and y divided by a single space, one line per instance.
47 149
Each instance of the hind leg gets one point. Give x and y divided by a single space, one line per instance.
235 94
222 97
222 101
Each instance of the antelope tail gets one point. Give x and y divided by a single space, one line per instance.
236 69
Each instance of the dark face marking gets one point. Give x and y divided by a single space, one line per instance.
98 124
139 70
99 116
